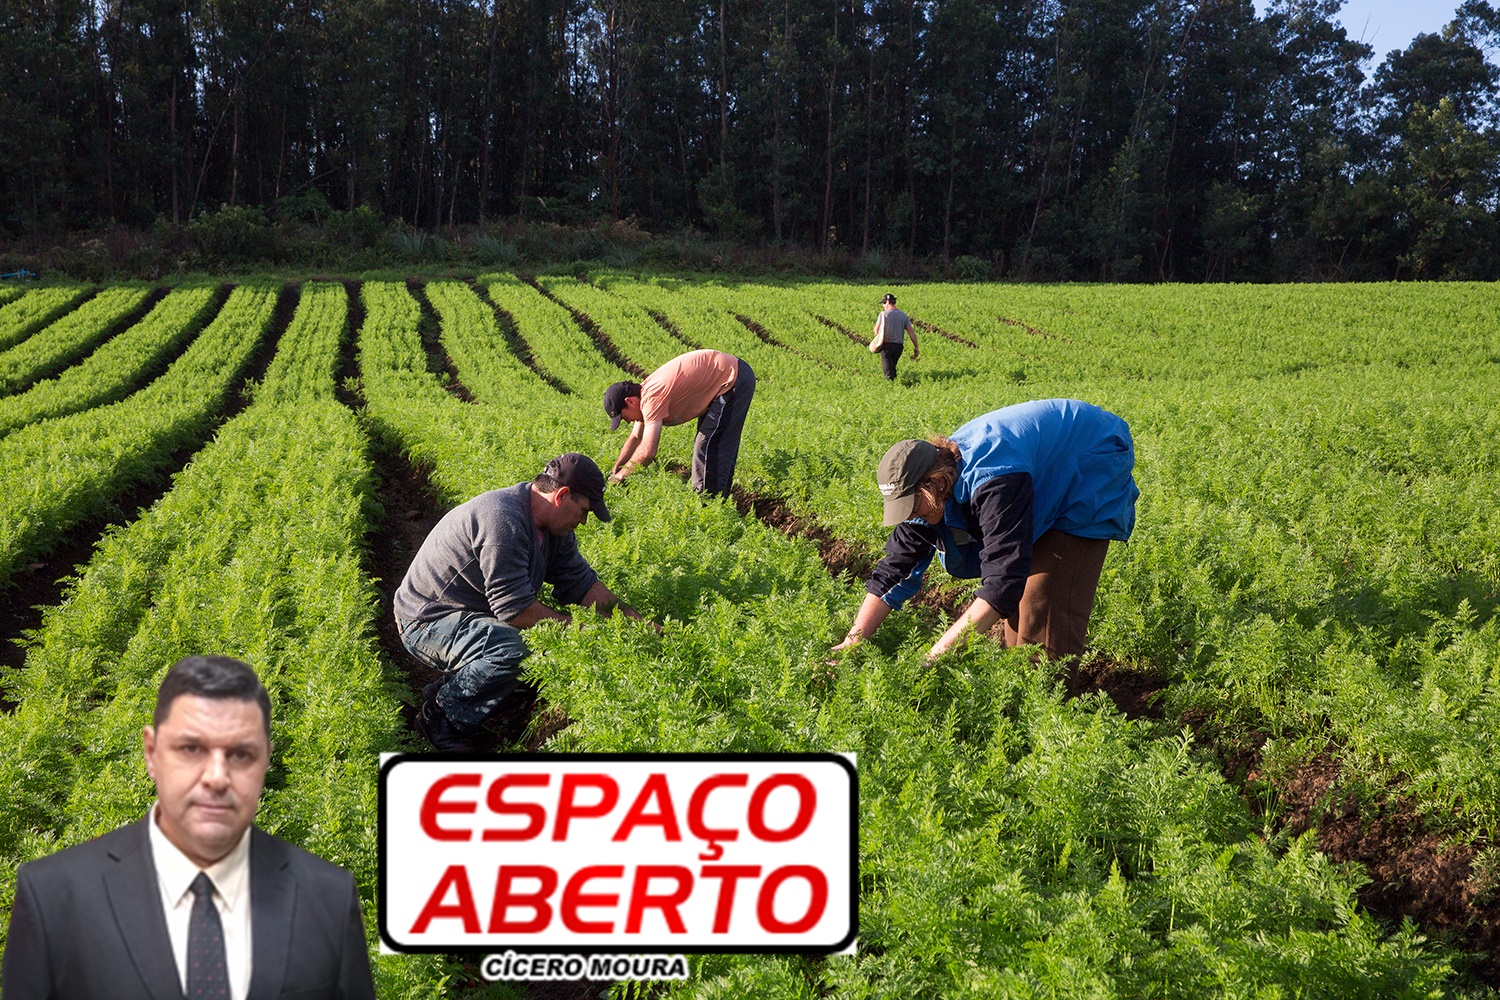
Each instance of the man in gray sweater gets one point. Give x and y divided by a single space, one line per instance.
473 587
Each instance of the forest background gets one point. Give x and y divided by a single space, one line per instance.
1108 140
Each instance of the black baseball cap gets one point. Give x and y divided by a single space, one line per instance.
888 297
614 400
899 472
579 473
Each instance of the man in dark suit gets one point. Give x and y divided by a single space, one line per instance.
192 902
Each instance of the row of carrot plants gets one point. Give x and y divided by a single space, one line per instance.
1010 842
68 338
62 472
119 366
254 553
558 344
34 309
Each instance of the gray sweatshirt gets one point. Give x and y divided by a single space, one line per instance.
488 556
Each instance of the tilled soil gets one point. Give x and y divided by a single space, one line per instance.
1415 870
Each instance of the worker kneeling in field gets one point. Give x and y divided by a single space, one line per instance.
711 386
1025 499
473 587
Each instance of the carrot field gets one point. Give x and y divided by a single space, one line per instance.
1275 775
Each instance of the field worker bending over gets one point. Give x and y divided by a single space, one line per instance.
473 587
1025 499
710 386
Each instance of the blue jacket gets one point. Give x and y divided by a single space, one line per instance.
1024 470
1079 458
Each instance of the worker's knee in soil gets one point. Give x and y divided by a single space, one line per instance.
483 684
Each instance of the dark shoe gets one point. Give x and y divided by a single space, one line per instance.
509 721
433 723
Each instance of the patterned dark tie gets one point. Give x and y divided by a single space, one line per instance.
208 975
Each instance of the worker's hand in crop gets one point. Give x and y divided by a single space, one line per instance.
851 639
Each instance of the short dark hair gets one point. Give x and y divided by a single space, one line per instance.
211 677
545 483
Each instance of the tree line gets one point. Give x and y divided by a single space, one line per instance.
1088 139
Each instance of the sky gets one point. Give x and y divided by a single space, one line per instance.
1390 24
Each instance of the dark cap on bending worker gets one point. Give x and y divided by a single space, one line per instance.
900 471
579 474
614 400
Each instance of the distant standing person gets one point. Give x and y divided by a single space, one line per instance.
1026 499
710 386
897 326
474 585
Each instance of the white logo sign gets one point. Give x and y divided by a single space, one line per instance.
624 852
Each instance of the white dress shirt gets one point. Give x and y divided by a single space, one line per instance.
175 873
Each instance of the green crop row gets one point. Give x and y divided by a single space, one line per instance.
279 505
35 309
118 367
559 345
633 331
1010 842
789 323
484 371
1316 554
61 472
67 339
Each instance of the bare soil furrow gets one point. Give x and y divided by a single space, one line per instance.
511 331
1033 331
438 361
927 327
601 340
766 336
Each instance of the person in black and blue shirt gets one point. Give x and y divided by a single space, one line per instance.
1026 499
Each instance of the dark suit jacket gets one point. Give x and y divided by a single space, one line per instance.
87 924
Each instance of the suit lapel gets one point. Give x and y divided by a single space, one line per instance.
135 902
273 897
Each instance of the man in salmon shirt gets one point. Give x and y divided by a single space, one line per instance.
710 386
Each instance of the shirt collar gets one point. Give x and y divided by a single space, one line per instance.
176 871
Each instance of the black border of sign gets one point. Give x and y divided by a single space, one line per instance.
667 948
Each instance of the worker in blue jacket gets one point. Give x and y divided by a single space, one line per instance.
1026 499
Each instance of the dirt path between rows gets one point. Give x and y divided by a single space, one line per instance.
43 582
412 507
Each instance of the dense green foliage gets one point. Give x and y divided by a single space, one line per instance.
117 368
32 310
1316 561
279 503
60 472
68 339
1099 139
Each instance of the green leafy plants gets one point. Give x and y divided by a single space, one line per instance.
116 368
68 469
33 310
68 338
